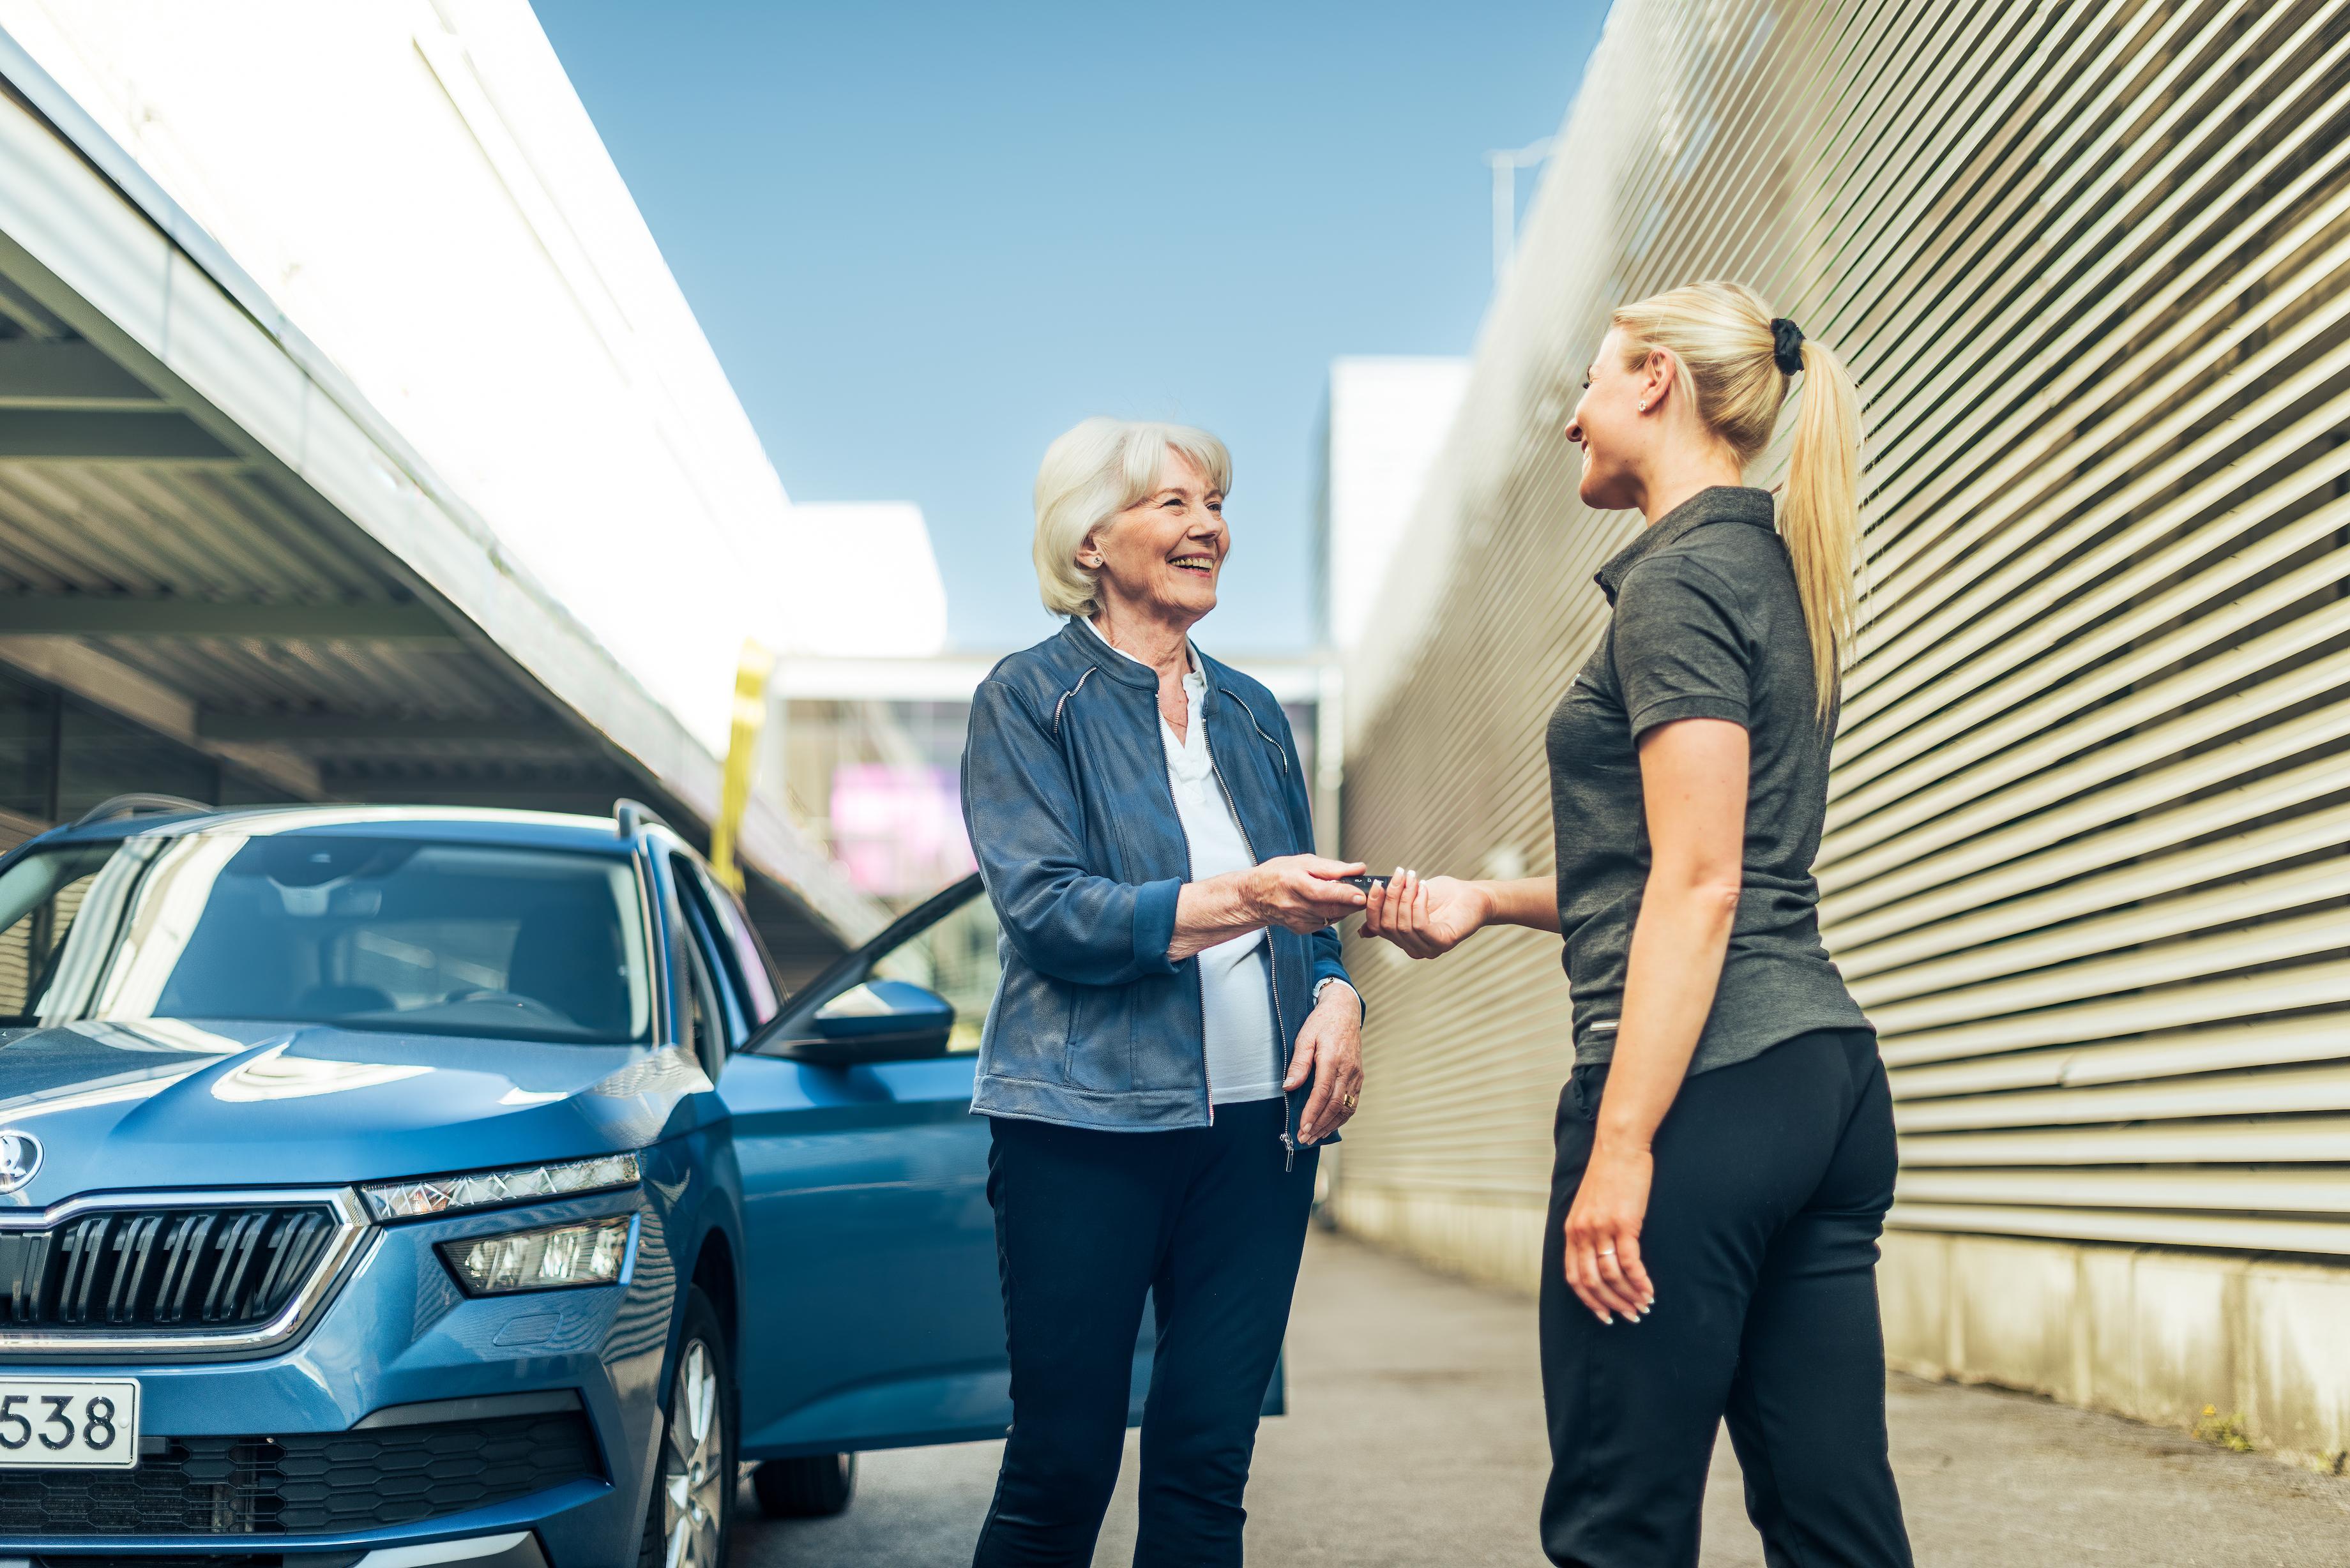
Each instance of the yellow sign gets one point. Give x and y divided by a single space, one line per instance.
741 760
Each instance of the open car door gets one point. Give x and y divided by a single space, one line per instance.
874 1312
873 1316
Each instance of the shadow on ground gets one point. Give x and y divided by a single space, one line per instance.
1415 1438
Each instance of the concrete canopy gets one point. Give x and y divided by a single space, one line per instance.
206 530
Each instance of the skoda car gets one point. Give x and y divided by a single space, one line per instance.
383 1187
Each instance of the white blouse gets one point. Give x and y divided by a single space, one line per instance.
1244 1061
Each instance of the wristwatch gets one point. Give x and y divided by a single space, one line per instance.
1327 981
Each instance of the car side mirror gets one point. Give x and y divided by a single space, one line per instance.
879 1021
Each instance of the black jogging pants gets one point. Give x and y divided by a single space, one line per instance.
1772 1178
1211 1223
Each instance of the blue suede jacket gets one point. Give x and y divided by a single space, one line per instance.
1065 789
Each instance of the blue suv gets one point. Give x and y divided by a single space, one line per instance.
388 1187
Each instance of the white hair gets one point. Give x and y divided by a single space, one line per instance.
1092 473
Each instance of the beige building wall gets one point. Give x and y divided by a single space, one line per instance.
2086 862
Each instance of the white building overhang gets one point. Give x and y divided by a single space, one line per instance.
205 528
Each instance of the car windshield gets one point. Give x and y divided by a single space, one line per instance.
387 934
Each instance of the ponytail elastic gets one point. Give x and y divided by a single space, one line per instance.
1786 345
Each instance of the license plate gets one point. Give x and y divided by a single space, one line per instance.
68 1423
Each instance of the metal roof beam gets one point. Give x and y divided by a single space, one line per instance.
68 376
308 729
31 317
157 436
52 435
106 615
115 687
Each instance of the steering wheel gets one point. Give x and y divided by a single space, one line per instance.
507 999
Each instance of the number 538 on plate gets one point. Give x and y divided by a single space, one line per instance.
68 1423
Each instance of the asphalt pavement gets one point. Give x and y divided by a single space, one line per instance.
1415 1438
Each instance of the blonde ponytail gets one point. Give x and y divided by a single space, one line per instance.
1819 512
1726 342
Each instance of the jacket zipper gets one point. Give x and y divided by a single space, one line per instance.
1199 977
1199 980
1272 962
1200 984
1191 872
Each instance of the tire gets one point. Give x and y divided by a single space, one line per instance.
816 1486
689 1518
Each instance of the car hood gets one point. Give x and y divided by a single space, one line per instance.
163 1102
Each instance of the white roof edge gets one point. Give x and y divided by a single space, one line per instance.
173 297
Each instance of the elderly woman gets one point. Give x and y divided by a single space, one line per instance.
1173 1034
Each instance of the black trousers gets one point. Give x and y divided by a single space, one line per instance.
1210 1224
1772 1178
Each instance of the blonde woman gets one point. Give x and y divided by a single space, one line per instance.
1725 1152
1172 1038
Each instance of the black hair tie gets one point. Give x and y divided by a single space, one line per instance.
1786 345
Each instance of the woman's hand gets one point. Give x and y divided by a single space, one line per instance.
1302 892
1603 1231
1427 918
1330 1051
1299 892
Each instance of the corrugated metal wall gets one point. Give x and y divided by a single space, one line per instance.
2088 857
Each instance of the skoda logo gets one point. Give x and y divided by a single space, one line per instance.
20 1157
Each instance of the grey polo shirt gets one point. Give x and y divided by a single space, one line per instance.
1707 624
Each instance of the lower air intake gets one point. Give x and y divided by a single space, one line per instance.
323 1483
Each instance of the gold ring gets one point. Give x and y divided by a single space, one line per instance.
1352 1101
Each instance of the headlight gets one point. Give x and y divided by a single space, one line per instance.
557 1257
522 1184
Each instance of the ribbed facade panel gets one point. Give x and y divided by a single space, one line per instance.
2087 863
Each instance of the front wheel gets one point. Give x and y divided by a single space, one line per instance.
691 1516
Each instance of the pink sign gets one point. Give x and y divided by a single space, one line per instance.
899 829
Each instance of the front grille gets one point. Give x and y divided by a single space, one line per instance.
145 1269
319 1483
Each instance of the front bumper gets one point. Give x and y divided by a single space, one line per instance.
515 1548
512 1549
410 1418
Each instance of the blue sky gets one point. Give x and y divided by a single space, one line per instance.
926 238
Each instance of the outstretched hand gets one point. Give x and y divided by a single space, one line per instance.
1302 892
1425 918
